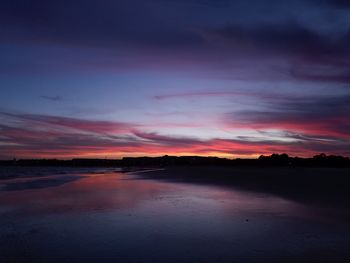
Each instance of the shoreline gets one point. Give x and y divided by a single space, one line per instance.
316 185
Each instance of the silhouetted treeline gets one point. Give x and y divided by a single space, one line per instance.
320 160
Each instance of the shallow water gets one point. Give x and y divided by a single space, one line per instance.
106 216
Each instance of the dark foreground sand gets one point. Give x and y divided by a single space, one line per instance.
318 185
178 214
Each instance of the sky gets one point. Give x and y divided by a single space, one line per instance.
236 79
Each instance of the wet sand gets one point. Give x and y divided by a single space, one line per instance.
174 215
317 185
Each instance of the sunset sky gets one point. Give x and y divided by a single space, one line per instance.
111 78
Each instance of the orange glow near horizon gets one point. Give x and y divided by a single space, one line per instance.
66 138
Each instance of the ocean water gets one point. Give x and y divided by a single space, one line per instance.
103 215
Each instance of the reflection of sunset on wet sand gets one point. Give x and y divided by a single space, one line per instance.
88 193
132 217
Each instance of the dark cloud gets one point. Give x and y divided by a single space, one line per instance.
212 94
167 140
141 22
27 139
47 121
52 98
340 3
90 22
211 3
335 3
163 34
290 38
335 74
312 56
321 116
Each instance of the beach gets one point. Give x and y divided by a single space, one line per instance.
176 214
